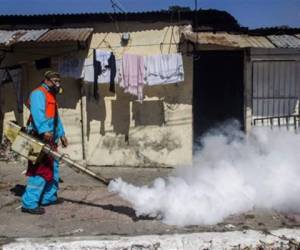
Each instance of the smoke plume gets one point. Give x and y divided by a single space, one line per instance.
232 173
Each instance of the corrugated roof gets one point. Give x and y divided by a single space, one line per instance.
216 19
258 42
9 37
5 36
67 34
285 41
228 40
243 40
82 13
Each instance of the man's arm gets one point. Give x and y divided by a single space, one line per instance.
38 112
61 133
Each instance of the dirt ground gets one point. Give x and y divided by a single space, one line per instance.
90 210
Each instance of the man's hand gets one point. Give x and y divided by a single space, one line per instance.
64 141
48 137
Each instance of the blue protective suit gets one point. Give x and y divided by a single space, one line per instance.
38 190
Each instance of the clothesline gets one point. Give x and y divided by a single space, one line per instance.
109 47
100 47
134 45
132 71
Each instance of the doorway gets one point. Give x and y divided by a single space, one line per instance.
218 89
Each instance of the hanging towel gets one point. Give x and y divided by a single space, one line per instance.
104 70
165 68
119 72
133 75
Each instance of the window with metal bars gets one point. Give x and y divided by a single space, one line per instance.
275 93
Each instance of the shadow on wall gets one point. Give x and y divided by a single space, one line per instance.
8 100
121 117
175 93
95 109
71 93
144 113
148 113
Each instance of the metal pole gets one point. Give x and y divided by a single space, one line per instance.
75 165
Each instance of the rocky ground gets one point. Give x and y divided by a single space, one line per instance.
90 210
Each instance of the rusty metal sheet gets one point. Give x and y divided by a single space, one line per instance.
9 37
242 40
210 38
285 41
229 40
66 34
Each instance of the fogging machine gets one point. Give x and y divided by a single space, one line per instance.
33 149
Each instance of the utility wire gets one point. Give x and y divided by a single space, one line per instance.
121 5
117 5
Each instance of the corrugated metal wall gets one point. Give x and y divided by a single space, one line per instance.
276 91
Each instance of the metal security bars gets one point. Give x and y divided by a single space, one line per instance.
275 93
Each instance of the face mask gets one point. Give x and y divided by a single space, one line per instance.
56 88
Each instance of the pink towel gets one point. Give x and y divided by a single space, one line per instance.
133 75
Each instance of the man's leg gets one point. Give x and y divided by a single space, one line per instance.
50 192
32 196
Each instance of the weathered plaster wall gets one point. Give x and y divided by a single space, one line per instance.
69 101
116 129
156 132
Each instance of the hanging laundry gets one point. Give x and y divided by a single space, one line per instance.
87 73
119 71
108 68
133 75
103 71
165 68
102 57
69 66
113 71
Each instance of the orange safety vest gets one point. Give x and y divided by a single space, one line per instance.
51 103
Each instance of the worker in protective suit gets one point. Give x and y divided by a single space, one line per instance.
45 124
